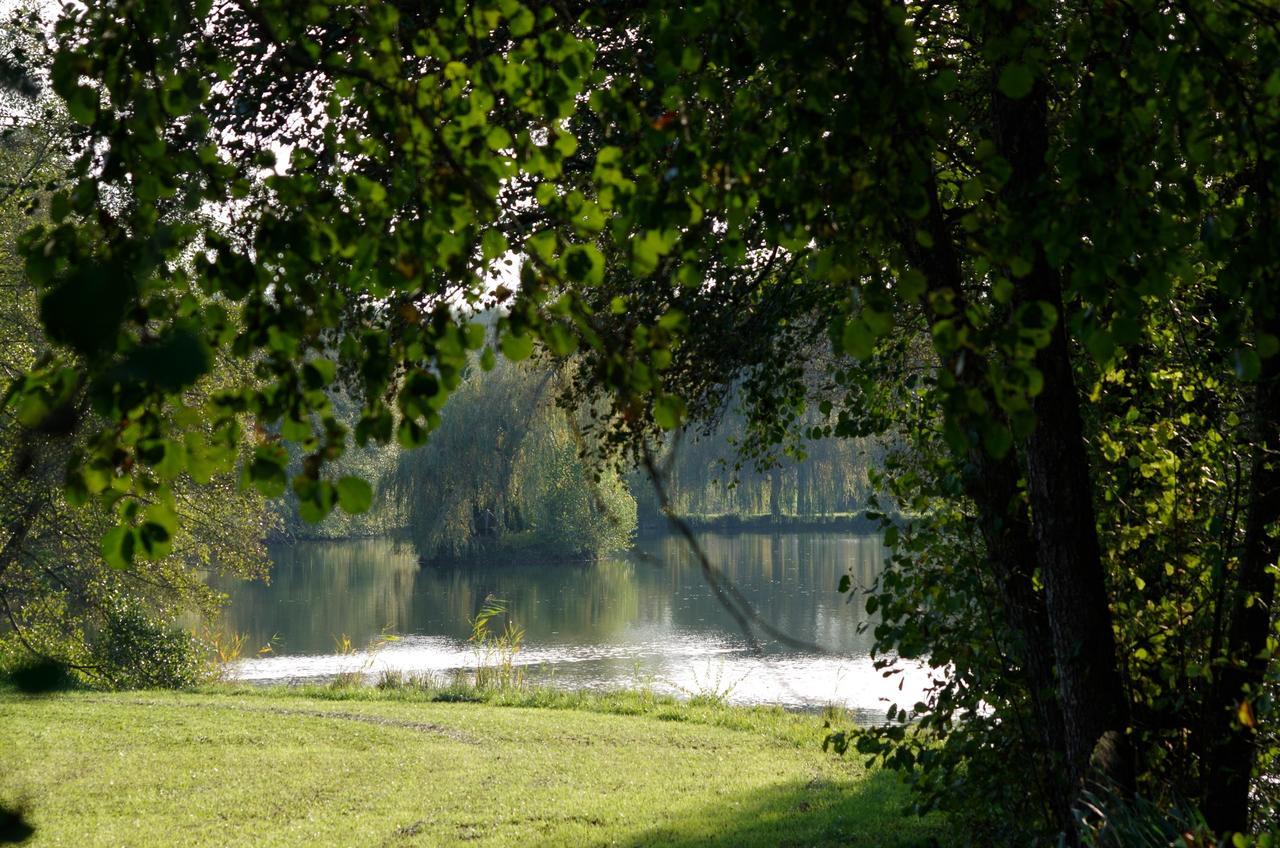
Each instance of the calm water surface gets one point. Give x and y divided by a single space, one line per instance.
646 618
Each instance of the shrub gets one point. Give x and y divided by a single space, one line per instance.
133 650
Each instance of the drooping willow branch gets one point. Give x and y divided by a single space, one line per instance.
730 597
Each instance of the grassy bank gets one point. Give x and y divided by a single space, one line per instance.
276 767
840 522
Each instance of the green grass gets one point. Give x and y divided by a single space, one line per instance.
315 767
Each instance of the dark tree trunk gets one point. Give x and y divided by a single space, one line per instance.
1094 705
1007 533
992 484
1231 747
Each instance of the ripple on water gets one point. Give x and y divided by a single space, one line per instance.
646 621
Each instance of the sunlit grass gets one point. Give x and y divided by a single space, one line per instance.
408 765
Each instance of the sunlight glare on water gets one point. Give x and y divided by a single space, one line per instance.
644 619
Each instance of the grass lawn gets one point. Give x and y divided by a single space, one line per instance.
279 767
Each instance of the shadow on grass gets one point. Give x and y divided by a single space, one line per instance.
817 813
13 826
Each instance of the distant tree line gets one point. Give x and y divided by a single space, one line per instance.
508 471
708 473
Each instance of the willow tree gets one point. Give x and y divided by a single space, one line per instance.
1040 236
505 476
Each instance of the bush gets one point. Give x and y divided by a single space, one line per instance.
136 651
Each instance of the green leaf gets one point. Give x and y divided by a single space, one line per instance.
171 363
162 516
857 339
82 104
517 347
1016 80
560 339
996 438
542 246
672 319
295 430
668 411
267 473
410 434
318 373
354 495
85 309
493 244
174 460
118 546
521 23
911 284
878 322
315 499
498 139
201 462
585 263
97 475
1101 345
155 535
1272 86
647 252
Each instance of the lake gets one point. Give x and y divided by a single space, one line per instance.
645 618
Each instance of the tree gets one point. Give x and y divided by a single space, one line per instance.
504 474
57 601
720 468
1006 216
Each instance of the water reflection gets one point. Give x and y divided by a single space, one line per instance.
645 618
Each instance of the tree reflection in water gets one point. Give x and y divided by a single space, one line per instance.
647 613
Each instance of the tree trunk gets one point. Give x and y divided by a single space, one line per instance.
775 494
992 484
1094 705
1231 747
804 508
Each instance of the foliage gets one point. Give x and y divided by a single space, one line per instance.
57 600
1107 818
503 472
155 327
135 651
372 463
